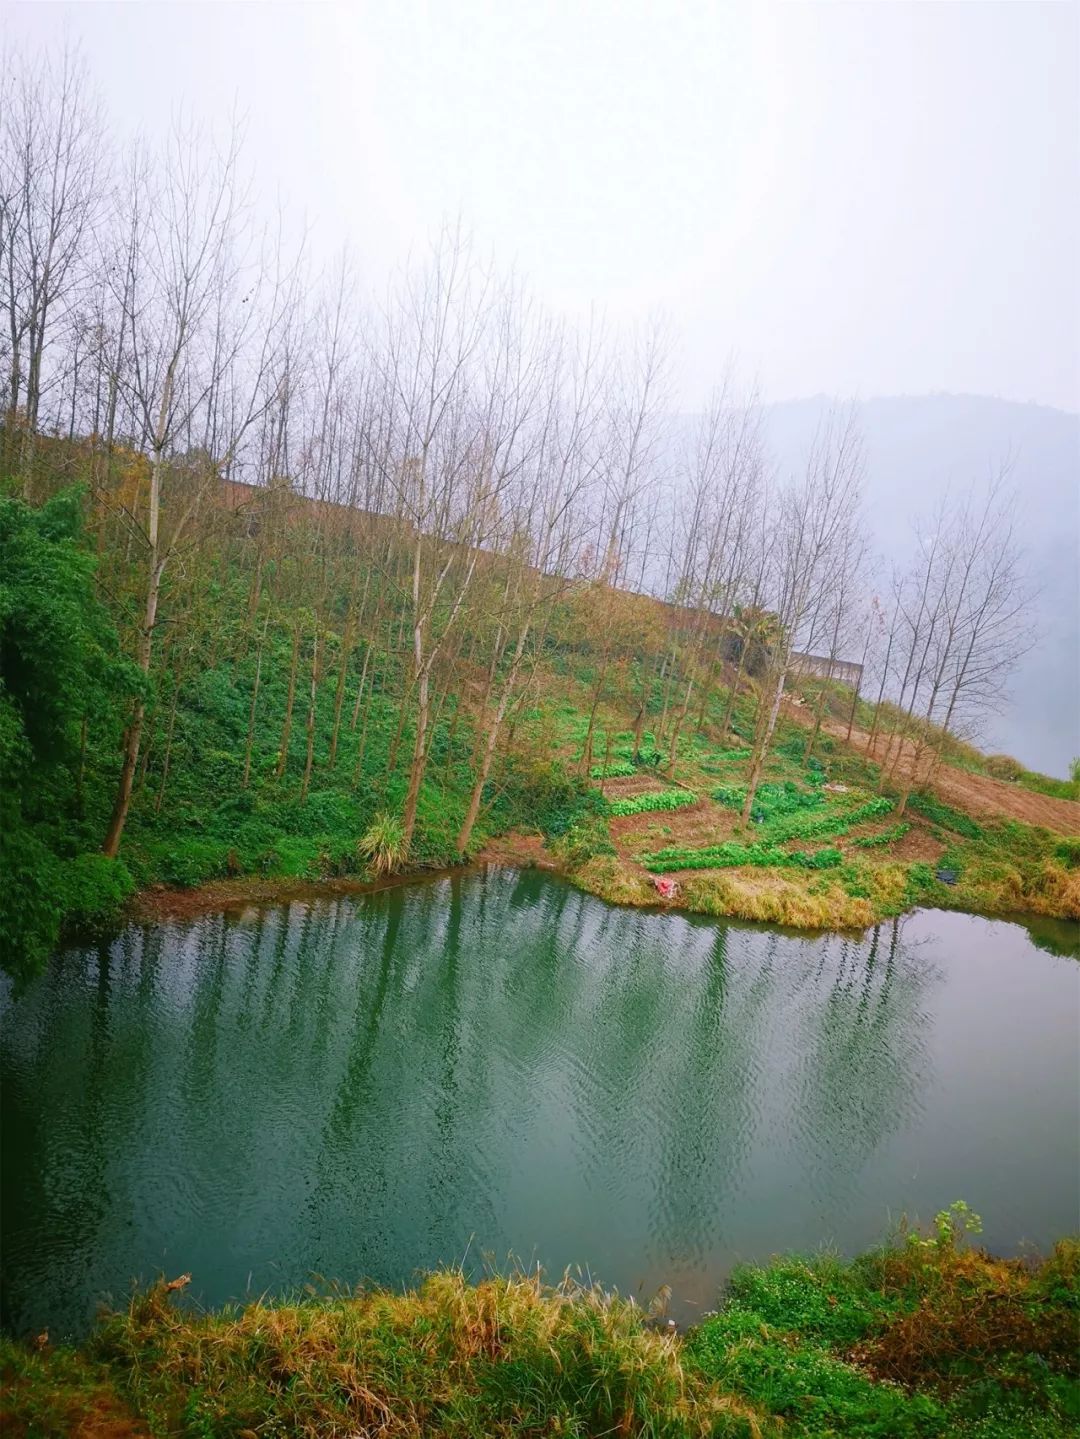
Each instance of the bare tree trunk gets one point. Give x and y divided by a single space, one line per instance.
587 752
311 720
762 748
254 701
133 737
283 752
339 693
679 722
168 747
490 741
419 757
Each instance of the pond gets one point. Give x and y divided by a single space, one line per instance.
496 1066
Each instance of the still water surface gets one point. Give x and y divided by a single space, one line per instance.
497 1064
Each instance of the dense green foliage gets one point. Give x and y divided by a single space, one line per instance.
62 684
926 1339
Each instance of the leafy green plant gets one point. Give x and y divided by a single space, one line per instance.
617 769
660 801
586 838
950 1227
731 853
828 825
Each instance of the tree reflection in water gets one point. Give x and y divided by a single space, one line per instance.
361 1087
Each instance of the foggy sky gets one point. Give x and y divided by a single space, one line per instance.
860 199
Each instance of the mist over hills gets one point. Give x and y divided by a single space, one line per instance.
916 447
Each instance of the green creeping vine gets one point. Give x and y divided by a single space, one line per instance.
646 803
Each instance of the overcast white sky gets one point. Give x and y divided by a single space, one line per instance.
855 198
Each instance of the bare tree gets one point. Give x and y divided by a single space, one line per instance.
814 524
51 161
189 314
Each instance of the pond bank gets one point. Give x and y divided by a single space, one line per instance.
926 1338
790 899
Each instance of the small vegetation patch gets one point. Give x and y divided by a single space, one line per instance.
925 1338
658 800
770 800
930 807
617 769
731 853
884 837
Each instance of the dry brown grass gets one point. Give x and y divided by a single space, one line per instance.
772 897
974 1309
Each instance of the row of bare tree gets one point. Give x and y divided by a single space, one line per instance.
484 480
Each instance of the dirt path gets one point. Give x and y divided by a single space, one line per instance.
978 794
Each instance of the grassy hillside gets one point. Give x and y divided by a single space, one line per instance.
280 720
927 1337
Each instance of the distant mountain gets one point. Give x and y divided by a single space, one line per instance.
915 447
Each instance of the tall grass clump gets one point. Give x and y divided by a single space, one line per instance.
383 845
506 1356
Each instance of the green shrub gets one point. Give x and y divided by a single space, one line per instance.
542 795
1003 766
94 889
920 878
1068 851
190 862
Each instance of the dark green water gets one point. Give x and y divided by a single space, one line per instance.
498 1064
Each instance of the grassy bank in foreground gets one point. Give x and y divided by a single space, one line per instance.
928 1337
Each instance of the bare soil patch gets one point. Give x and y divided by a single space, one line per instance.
976 794
691 827
917 845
